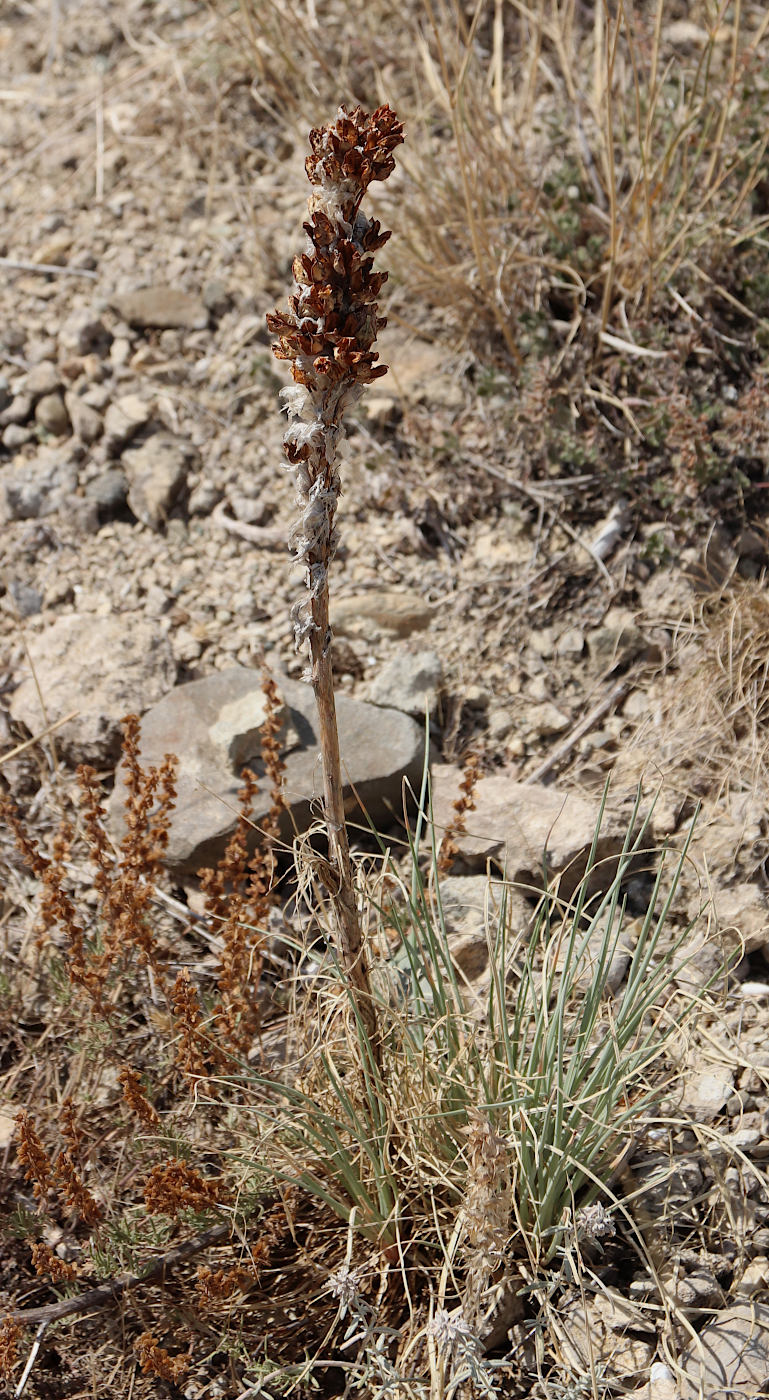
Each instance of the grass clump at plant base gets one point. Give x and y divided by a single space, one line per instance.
472 1150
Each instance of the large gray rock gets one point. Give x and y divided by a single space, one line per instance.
101 668
520 825
731 1359
213 725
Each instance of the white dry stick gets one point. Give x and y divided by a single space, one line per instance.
327 335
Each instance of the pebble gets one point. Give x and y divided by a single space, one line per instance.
16 435
108 491
42 379
157 474
52 415
123 420
28 601
409 682
86 421
166 308
19 410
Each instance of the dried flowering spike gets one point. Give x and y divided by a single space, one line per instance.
77 1197
38 1167
136 1098
10 1336
328 335
329 331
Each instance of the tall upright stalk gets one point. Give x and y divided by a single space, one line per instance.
327 335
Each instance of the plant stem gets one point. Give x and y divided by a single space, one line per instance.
351 946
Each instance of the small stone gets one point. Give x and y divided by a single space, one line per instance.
519 824
410 683
216 298
84 333
81 515
120 351
203 498
157 474
471 906
386 611
19 410
252 510
185 646
42 379
28 601
608 1332
705 1095
744 909
662 1383
499 724
754 1278
542 641
97 395
571 642
617 640
166 308
109 492
52 415
54 251
86 422
123 420
37 487
698 1291
547 719
15 435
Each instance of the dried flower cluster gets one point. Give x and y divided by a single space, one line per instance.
174 1186
156 1361
218 1285
331 325
191 1045
136 1098
488 1205
38 1167
76 1195
47 1175
49 1265
10 1336
123 880
464 803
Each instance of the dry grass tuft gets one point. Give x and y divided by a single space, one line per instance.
568 168
716 722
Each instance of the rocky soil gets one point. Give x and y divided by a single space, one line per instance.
564 629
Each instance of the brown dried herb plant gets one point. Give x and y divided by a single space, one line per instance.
327 335
100 928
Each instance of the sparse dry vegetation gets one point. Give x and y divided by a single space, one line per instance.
266 1134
